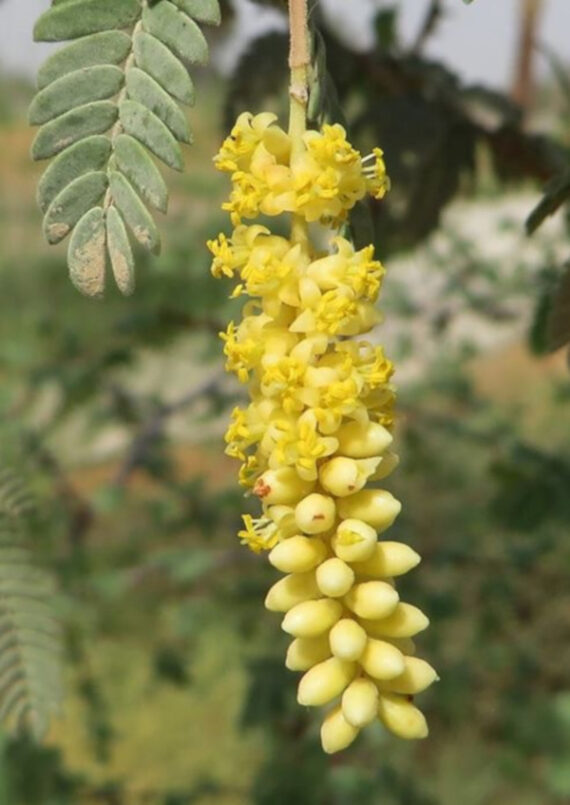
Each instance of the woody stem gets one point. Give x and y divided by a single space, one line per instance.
299 61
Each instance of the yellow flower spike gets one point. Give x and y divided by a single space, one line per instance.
317 430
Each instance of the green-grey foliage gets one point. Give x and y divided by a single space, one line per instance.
30 640
103 101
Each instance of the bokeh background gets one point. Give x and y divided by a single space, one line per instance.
114 410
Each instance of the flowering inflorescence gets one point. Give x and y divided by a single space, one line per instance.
316 435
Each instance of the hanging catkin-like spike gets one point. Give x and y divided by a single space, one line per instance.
316 437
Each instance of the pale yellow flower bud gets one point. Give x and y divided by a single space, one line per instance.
405 621
382 660
336 732
377 507
298 554
354 541
388 559
372 599
360 702
343 476
418 675
292 590
325 681
388 463
304 652
399 715
281 486
315 514
347 639
334 578
363 441
312 618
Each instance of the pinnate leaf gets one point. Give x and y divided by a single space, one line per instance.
106 102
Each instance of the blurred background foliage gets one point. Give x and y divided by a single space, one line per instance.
113 411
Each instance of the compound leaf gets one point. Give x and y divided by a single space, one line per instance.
105 101
30 637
